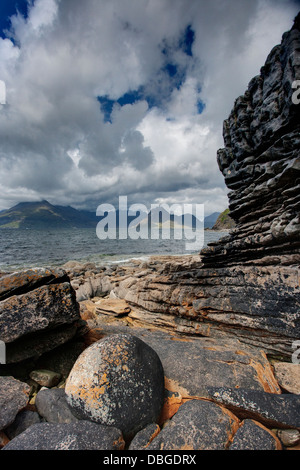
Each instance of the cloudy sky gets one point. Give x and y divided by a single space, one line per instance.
125 97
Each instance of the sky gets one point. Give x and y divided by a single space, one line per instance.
109 98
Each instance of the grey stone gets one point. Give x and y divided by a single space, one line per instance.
282 411
44 308
45 378
82 435
289 437
14 396
253 436
197 425
24 420
25 281
144 437
117 381
53 407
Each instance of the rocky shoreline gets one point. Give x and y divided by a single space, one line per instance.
175 353
218 393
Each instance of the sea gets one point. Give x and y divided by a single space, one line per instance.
23 249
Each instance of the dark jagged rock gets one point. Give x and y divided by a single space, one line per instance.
198 425
252 435
281 411
38 312
22 282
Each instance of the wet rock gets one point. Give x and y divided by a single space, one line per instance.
82 435
14 396
197 425
252 435
117 381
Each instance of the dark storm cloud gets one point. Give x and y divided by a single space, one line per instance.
126 96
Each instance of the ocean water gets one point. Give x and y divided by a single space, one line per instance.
21 249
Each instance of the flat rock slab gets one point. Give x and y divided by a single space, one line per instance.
14 396
197 425
82 435
272 410
22 282
45 307
252 435
115 307
288 376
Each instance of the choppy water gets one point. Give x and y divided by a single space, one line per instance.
32 248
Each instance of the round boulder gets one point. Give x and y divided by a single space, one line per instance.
117 381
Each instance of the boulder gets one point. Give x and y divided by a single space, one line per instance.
197 425
44 308
117 381
252 435
82 435
193 364
38 312
14 396
22 282
53 407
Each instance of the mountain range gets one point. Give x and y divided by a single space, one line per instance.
43 215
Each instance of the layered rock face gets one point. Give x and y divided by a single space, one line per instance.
38 312
261 165
247 284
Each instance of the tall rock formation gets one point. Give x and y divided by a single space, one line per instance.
260 258
261 165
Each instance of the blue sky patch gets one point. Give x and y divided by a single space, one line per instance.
9 8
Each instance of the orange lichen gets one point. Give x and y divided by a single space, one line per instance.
265 376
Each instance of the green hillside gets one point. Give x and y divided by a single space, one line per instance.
224 221
43 215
